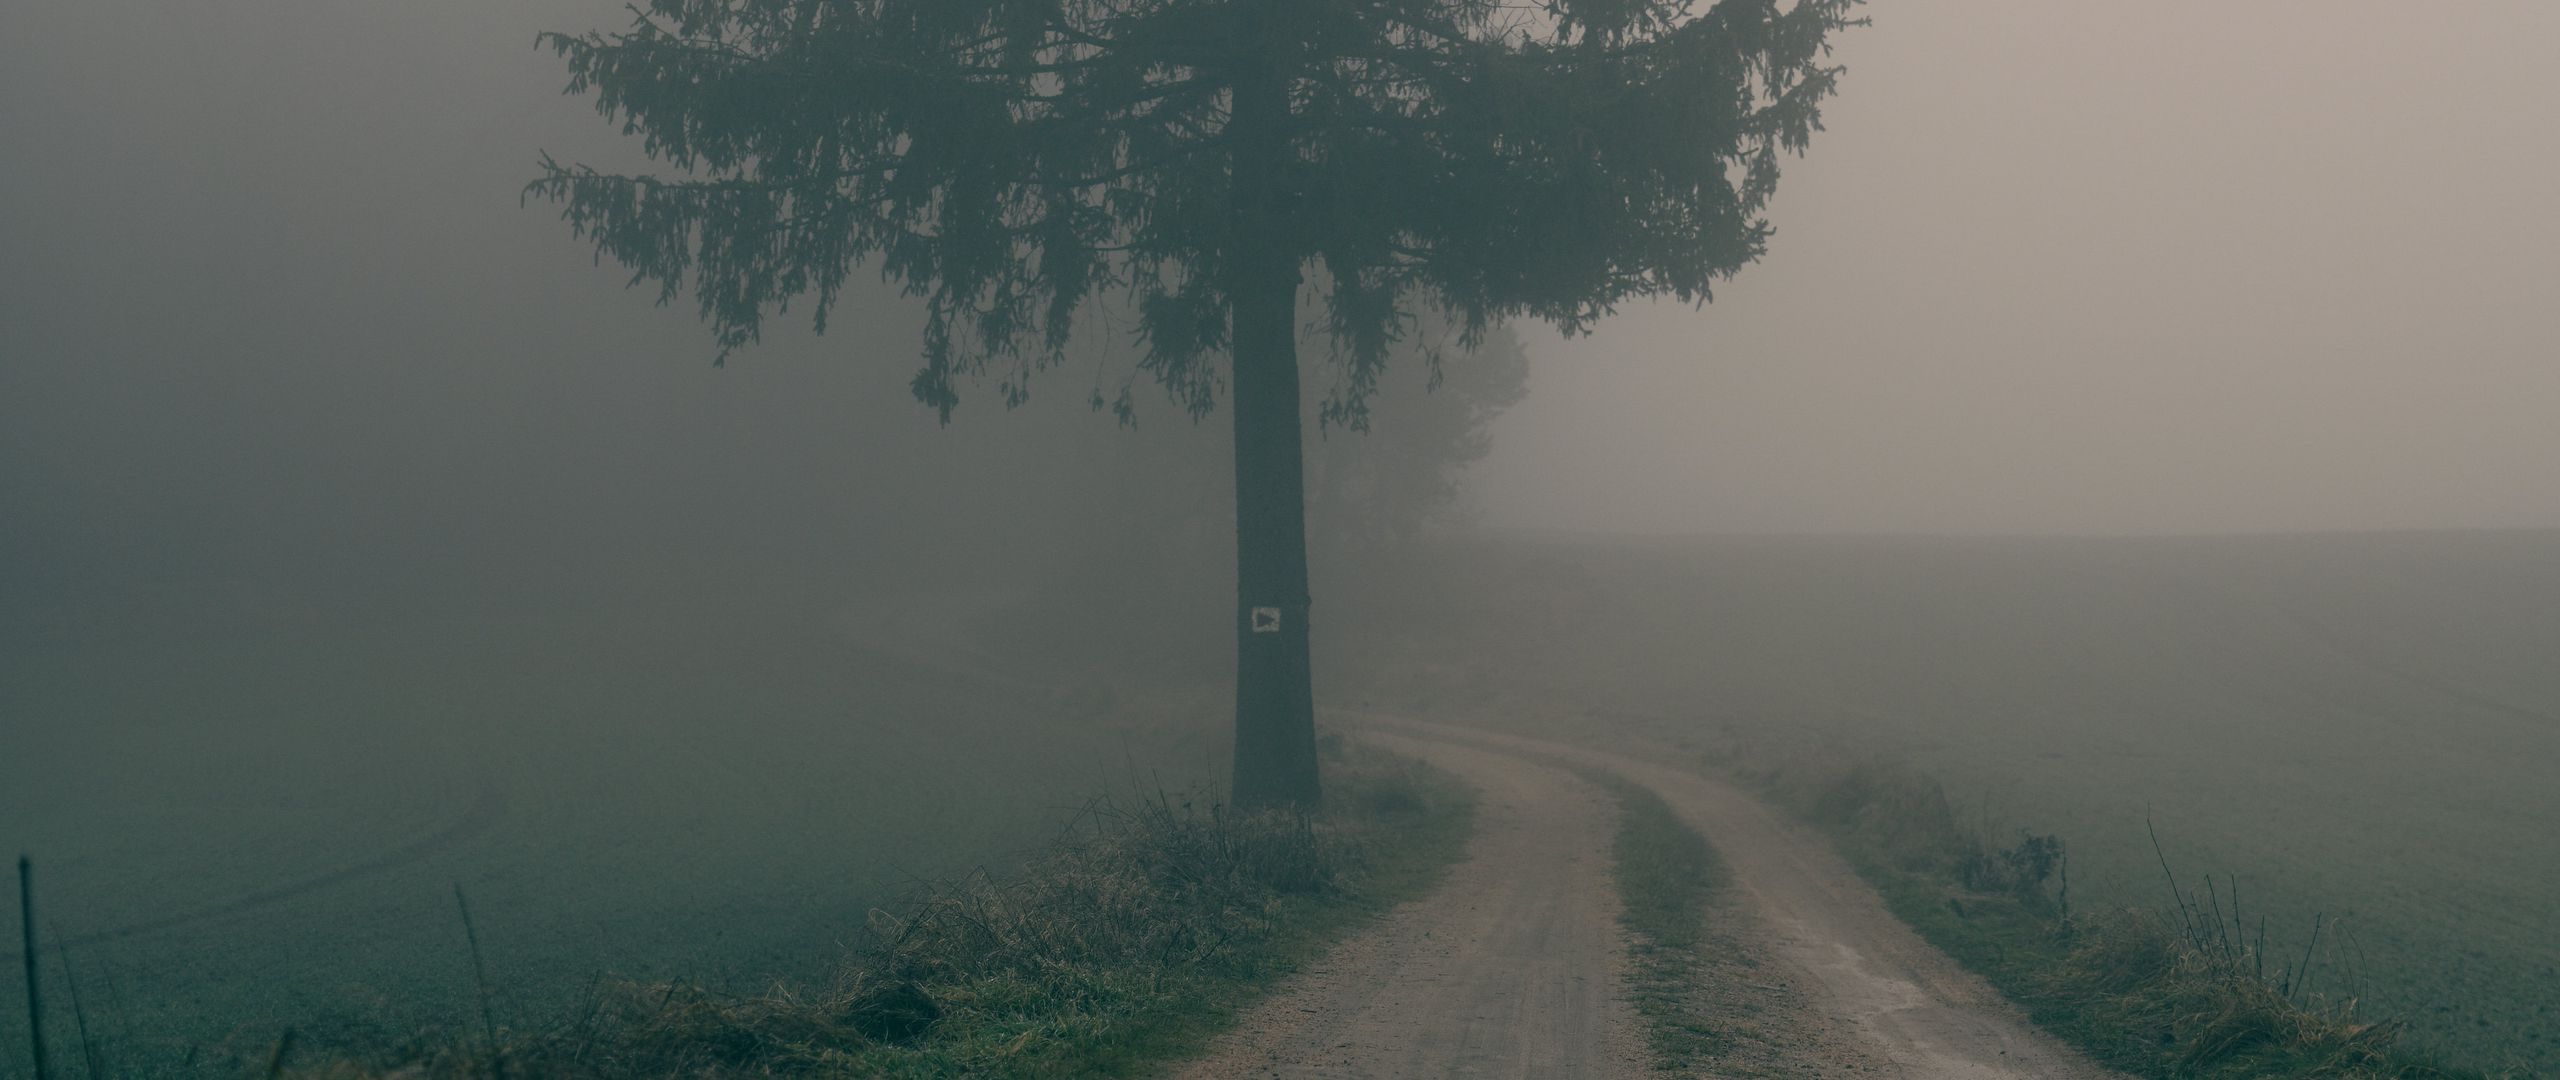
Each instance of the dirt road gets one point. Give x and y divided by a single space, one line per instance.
1512 968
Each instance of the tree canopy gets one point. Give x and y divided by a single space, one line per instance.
1015 163
1020 165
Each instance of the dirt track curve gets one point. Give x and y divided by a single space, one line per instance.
1512 967
1509 969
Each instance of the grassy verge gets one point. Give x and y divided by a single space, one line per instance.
1666 876
1125 946
2164 995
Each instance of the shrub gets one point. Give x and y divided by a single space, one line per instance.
2181 994
1123 942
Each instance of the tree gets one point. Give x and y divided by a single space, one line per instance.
1014 163
1372 494
1131 573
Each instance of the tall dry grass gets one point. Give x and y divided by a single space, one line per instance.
1126 942
2188 991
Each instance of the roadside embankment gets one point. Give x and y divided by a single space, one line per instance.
2190 993
1138 935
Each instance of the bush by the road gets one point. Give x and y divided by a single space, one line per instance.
1126 943
2183 994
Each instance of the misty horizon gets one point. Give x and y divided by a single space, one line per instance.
1999 300
2139 411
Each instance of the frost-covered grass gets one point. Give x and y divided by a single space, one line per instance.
1125 944
2361 727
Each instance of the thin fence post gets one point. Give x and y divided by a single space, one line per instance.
480 982
27 938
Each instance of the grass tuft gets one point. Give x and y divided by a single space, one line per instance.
2182 994
1666 877
1127 944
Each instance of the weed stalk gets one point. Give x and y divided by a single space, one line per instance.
27 939
283 1050
79 1012
2316 918
480 982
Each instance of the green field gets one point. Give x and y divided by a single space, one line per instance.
249 816
2362 727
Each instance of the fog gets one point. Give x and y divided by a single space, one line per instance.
2122 268
2156 268
273 303
348 505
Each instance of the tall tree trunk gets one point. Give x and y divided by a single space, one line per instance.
1275 688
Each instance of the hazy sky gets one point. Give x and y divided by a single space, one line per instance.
2157 266
2055 267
